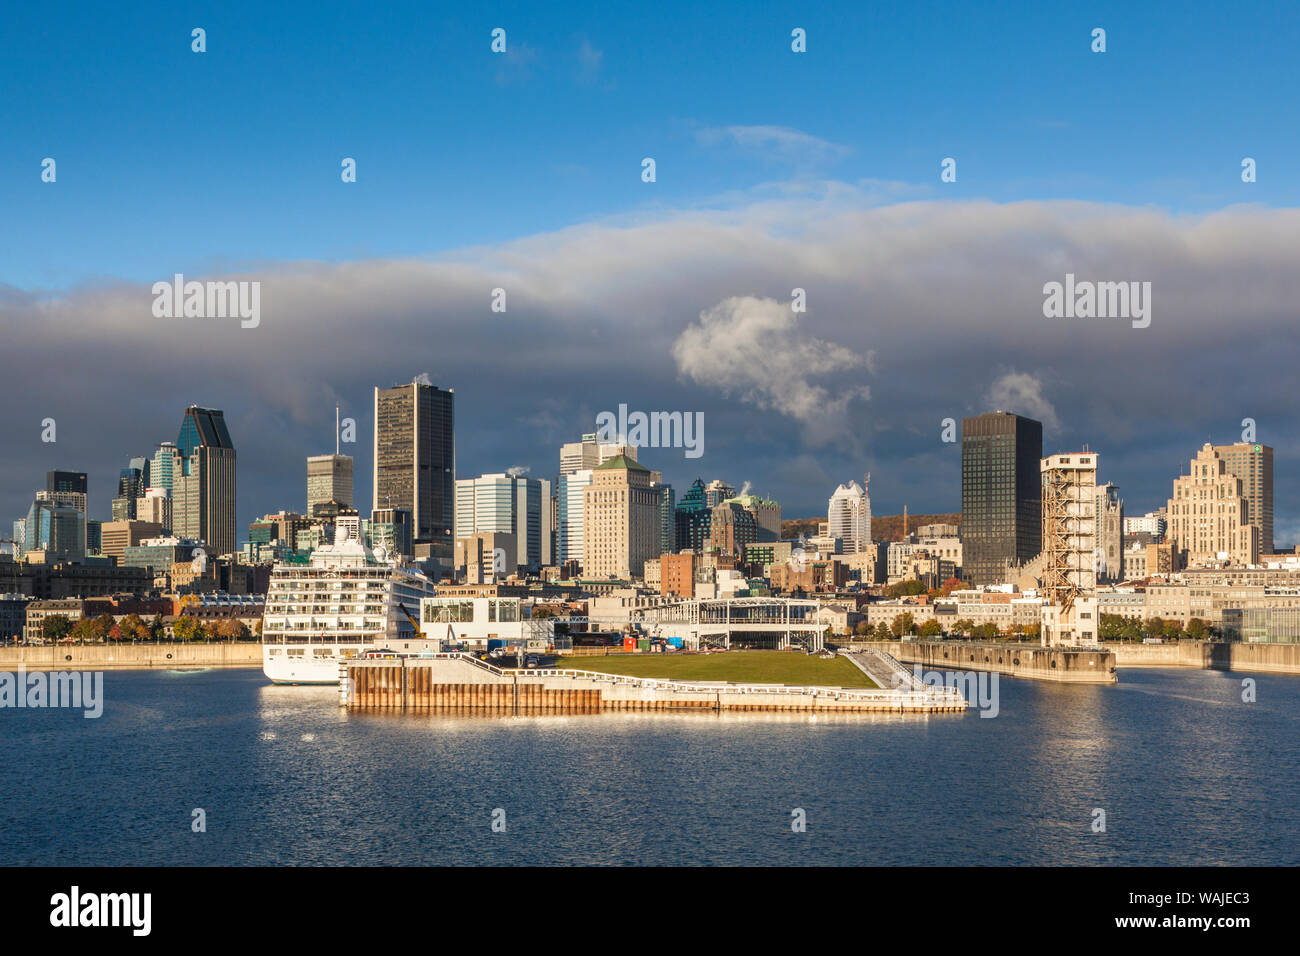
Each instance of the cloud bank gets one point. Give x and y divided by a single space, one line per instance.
689 309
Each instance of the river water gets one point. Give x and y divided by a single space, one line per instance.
1185 771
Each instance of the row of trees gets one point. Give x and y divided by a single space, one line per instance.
103 627
1113 627
904 625
913 588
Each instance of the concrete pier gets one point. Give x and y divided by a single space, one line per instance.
103 657
1031 661
463 684
1257 658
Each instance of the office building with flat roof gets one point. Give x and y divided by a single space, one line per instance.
1001 497
415 462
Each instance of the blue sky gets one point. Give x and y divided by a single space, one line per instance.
774 170
172 160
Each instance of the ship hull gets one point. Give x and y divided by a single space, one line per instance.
308 667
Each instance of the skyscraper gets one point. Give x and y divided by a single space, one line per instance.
590 453
1001 497
164 461
329 478
848 516
131 484
415 462
203 480
620 515
66 488
508 504
1253 464
693 518
667 515
767 515
57 529
569 538
1208 514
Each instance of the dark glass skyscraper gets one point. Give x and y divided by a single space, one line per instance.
693 518
1001 494
415 461
203 480
66 481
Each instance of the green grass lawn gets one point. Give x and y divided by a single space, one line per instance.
759 667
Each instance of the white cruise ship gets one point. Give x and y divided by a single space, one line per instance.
334 607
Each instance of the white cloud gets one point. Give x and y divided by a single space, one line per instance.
774 142
753 348
1022 393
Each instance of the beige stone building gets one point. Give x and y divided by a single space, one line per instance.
117 536
1207 515
38 611
620 513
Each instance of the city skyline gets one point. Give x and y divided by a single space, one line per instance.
923 297
679 482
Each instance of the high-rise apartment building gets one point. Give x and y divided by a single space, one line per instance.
1001 497
1208 514
1253 464
620 520
508 504
848 516
203 480
415 462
